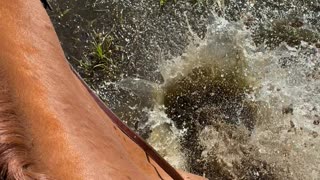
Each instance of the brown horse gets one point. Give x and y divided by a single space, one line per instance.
51 127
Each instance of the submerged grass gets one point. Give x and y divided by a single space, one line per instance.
101 64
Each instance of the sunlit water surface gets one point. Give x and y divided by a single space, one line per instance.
215 90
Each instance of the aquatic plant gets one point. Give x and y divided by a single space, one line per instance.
100 63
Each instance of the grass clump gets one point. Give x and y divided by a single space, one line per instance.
102 62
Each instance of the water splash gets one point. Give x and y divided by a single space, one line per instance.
224 89
264 125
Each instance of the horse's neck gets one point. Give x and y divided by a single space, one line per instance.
68 133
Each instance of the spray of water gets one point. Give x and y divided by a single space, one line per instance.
227 89
242 111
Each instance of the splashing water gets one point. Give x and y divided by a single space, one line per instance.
244 111
223 89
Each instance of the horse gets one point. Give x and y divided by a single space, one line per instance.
51 124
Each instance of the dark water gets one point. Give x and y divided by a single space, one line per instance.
224 89
143 34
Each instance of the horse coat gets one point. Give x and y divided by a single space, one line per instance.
51 127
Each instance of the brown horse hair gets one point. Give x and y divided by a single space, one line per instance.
16 162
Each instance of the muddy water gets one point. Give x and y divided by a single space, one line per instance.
241 112
223 89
